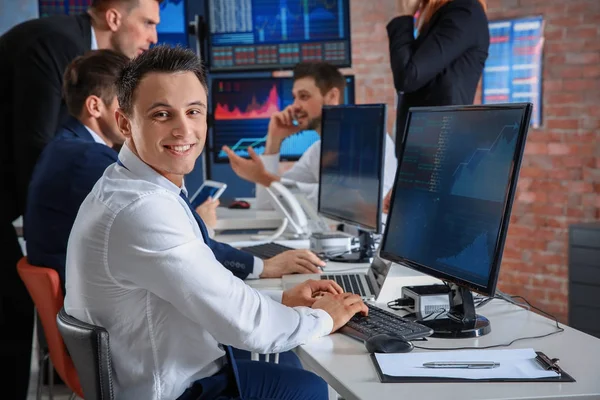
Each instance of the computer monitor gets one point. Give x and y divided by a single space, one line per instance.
241 109
351 170
277 34
172 29
451 202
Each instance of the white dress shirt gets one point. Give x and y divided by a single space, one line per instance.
258 265
94 42
138 266
95 136
305 172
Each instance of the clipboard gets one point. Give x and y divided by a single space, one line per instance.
543 360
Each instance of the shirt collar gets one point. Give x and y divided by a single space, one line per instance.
94 45
95 136
142 170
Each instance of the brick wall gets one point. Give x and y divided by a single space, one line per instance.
559 182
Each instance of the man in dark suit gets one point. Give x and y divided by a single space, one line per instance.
33 57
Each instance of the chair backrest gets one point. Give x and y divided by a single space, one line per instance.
90 350
43 285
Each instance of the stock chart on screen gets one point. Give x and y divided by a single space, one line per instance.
455 170
172 29
276 34
241 112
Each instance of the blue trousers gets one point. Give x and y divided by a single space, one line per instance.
259 380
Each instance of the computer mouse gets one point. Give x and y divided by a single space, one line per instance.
384 343
240 204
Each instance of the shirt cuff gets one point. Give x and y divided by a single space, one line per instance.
276 295
257 269
271 163
325 322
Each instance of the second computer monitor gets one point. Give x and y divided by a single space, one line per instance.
451 202
352 163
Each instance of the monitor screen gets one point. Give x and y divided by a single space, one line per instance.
352 158
172 29
453 192
241 111
277 34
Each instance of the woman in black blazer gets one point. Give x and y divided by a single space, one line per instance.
443 64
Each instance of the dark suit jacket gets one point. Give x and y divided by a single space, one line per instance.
33 58
65 174
443 65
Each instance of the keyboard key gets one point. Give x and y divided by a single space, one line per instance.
382 321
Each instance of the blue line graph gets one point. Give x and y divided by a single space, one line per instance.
474 258
293 146
485 174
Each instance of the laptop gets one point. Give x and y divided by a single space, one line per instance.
367 285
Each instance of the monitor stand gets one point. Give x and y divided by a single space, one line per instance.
365 253
461 321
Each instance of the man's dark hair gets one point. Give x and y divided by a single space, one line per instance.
162 58
326 76
104 4
94 73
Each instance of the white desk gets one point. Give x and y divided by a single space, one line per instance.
238 219
247 219
346 366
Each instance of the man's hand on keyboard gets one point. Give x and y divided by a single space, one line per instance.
341 307
308 292
292 262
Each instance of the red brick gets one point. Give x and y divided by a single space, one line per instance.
583 58
567 174
569 72
558 197
547 186
536 148
565 98
532 172
545 258
575 213
591 71
575 85
542 209
553 85
582 32
581 187
568 21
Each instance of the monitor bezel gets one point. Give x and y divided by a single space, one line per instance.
490 288
270 67
350 85
378 224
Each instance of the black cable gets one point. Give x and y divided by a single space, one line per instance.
558 327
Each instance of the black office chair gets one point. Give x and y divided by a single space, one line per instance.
89 349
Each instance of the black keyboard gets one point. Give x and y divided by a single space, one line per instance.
266 250
381 321
351 283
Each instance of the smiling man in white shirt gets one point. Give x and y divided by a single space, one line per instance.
133 262
316 84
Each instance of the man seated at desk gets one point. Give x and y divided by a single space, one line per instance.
76 158
139 264
316 84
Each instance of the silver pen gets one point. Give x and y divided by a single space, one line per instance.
462 364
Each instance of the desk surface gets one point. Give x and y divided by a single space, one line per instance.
344 363
346 366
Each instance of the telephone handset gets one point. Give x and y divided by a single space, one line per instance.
286 203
